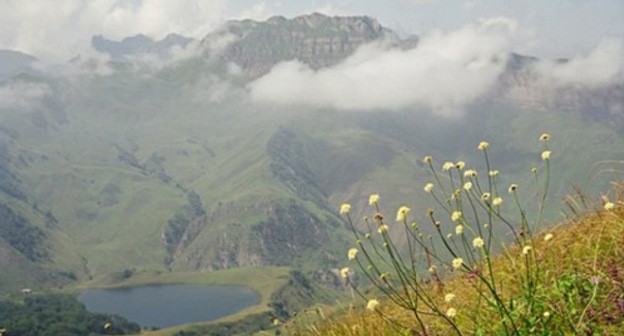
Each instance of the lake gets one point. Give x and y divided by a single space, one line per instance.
169 305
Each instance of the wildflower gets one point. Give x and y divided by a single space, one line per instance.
594 280
345 208
367 235
456 194
467 185
456 215
485 225
402 213
372 304
460 165
534 170
378 217
382 229
609 206
478 242
546 314
107 325
448 298
433 268
493 172
459 229
447 166
544 137
483 145
485 196
548 237
526 249
414 226
546 155
428 187
384 277
276 322
457 262
451 312
352 253
344 272
372 200
427 159
512 188
497 201
429 212
449 236
470 173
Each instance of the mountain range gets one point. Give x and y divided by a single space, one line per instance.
155 157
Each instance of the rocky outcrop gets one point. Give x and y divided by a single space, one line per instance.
317 40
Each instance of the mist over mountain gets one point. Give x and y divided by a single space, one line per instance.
236 150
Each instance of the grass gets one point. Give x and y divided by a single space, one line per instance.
581 288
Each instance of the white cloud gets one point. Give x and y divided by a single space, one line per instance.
63 28
22 96
445 72
604 65
258 12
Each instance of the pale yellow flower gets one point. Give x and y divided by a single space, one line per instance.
483 145
546 155
493 172
352 253
402 213
344 272
276 322
526 249
467 185
451 312
609 206
382 228
459 229
478 242
372 304
544 137
448 298
449 236
470 173
457 262
373 199
456 215
384 276
485 196
546 314
345 208
432 269
428 187
460 165
447 166
427 159
512 188
548 237
534 170
497 201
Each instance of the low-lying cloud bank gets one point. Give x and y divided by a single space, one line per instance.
444 73
603 66
61 29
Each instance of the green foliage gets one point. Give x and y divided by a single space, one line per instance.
22 235
58 314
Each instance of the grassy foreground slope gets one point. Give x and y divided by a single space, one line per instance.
581 287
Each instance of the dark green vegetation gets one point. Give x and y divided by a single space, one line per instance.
58 314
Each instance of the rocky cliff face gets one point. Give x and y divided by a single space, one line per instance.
521 85
315 39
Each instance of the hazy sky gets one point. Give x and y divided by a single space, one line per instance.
61 28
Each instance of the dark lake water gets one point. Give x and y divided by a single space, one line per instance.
169 305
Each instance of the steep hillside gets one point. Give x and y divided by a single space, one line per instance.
173 167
